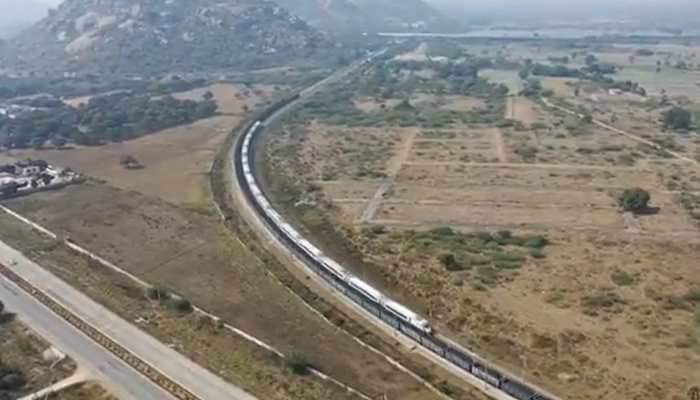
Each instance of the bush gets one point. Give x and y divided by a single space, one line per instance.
476 260
622 278
297 363
179 304
449 261
602 300
536 242
507 257
634 200
536 253
527 152
11 379
444 231
505 264
693 296
157 293
446 388
677 118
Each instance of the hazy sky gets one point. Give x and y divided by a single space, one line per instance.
547 9
19 12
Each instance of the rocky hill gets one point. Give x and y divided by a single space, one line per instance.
353 16
150 37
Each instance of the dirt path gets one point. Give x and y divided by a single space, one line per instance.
393 170
689 236
500 146
624 133
510 108
521 165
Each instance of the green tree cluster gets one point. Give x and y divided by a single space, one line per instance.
635 200
109 118
677 118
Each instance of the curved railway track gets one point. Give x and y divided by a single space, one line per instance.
465 360
144 368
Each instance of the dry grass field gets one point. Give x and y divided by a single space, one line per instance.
232 99
511 239
86 391
194 255
177 160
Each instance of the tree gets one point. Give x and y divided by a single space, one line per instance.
130 162
2 307
635 200
677 118
298 363
591 59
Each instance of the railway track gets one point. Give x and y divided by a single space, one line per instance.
477 367
144 368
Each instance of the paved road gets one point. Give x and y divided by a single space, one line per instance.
121 380
126 382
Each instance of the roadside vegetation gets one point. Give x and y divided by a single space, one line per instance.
25 364
84 391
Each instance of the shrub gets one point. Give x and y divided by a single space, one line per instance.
634 200
536 242
622 278
536 252
476 260
677 119
603 300
446 388
675 303
179 304
157 293
449 261
507 257
693 295
378 229
11 379
504 264
297 363
444 231
527 151
487 275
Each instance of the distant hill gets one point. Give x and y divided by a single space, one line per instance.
149 37
353 16
19 15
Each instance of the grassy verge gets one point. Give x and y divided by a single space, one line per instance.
85 391
217 349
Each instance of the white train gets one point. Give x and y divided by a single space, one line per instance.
331 268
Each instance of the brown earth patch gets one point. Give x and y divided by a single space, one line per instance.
177 160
